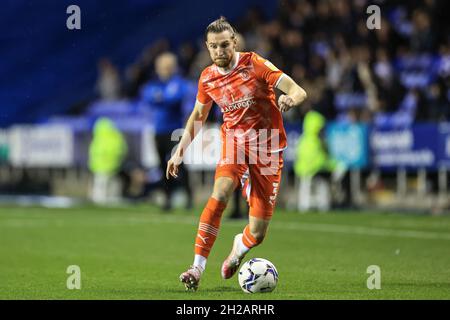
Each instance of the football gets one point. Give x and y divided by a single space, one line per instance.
258 275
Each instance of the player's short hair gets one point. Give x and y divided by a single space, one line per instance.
218 26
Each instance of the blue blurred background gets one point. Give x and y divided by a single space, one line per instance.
384 93
47 69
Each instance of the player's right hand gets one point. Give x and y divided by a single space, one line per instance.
172 166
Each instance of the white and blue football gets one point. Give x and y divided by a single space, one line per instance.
258 275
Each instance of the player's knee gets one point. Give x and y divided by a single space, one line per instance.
223 189
220 195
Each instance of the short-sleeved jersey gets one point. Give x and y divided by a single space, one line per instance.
246 98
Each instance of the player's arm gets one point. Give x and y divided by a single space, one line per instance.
198 115
293 95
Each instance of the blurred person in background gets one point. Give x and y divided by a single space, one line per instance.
165 95
422 36
108 84
140 72
106 155
313 163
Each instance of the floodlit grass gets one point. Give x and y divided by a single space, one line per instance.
139 252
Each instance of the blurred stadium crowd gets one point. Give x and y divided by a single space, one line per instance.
390 77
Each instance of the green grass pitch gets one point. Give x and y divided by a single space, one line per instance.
139 252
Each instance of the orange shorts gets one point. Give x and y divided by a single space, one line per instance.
263 178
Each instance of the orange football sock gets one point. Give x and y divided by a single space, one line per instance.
208 227
247 238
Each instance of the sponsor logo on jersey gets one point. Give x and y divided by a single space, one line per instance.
239 104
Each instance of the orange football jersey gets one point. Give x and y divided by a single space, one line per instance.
246 98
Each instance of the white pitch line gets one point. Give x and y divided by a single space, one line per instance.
337 228
367 231
321 227
303 226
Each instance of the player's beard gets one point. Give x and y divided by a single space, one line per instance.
223 62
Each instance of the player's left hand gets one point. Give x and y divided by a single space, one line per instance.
285 103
